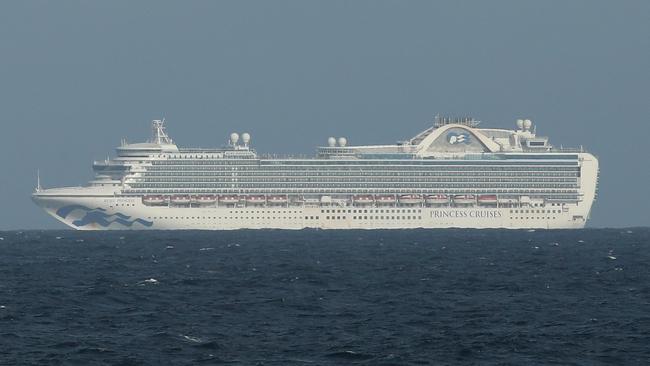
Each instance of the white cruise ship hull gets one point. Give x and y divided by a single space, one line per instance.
124 213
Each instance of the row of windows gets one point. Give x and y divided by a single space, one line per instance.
357 162
548 194
535 211
282 217
374 211
222 218
357 173
358 186
374 217
312 217
393 167
533 218
352 180
218 160
259 211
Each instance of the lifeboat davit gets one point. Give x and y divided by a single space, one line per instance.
410 199
385 199
206 199
363 199
465 199
181 199
255 200
153 200
229 199
277 200
437 199
487 199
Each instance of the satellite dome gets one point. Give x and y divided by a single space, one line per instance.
520 124
528 124
343 141
331 142
246 138
234 138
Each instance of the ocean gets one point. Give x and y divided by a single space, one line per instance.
313 297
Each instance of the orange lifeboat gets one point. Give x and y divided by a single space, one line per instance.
229 199
277 200
206 199
410 199
153 200
363 199
465 199
256 200
437 199
487 199
385 199
181 199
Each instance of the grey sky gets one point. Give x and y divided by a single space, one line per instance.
76 76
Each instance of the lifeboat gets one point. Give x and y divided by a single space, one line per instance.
205 199
465 199
181 199
487 199
410 199
229 199
276 200
385 199
153 200
256 200
363 199
437 199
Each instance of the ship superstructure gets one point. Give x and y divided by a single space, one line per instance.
453 174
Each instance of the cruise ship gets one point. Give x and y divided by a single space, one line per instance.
454 174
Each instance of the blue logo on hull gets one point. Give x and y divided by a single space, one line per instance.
458 138
100 217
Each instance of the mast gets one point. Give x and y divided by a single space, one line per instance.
38 180
158 134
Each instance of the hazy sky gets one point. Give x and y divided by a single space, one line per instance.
77 76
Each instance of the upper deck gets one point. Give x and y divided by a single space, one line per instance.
447 138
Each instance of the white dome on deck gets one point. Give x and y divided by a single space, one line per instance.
246 138
520 124
234 138
528 124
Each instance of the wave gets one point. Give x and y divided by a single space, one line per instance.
100 217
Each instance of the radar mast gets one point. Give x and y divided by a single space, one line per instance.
158 134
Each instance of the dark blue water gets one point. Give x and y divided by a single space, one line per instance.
326 297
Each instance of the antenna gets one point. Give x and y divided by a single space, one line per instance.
158 134
38 180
